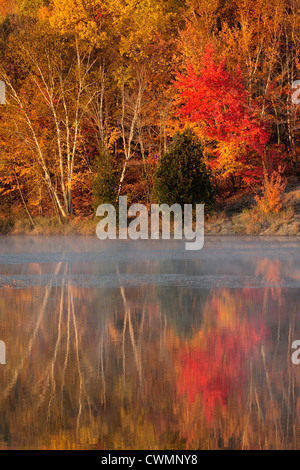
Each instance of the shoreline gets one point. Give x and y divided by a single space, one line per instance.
235 218
242 225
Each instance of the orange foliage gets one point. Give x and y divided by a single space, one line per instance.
271 199
7 7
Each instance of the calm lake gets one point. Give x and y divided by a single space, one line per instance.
143 345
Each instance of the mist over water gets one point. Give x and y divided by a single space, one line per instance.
143 345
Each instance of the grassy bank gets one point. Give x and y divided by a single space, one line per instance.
238 217
252 222
243 217
48 226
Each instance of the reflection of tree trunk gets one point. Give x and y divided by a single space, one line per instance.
101 367
142 327
78 361
123 349
137 354
269 388
66 355
53 362
163 334
32 340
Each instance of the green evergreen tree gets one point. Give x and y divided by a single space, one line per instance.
106 183
182 176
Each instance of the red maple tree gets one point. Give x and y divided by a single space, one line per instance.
216 100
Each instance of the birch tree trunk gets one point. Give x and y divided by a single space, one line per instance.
127 140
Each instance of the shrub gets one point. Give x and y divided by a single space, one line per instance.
271 199
181 176
6 225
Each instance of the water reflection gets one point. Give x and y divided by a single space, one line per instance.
128 346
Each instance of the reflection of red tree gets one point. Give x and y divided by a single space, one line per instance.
219 369
271 272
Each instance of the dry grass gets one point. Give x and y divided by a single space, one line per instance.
255 222
48 226
252 221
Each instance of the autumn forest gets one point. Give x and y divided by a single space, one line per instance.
159 100
146 344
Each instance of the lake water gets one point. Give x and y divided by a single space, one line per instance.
143 345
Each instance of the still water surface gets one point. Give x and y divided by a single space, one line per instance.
143 345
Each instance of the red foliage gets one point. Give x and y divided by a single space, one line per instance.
217 101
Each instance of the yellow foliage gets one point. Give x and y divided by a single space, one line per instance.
79 16
228 162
